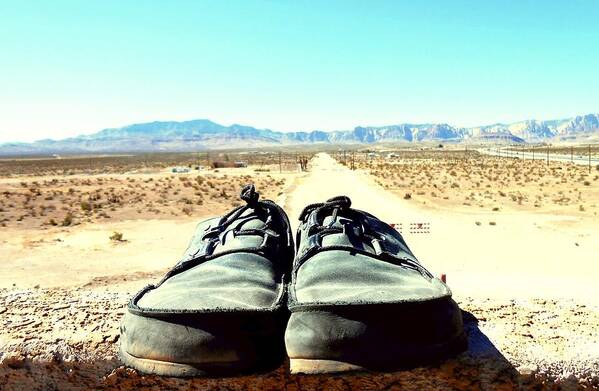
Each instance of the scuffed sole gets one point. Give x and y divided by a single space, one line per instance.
165 368
309 366
427 355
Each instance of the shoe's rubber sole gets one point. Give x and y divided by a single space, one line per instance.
165 368
317 366
308 366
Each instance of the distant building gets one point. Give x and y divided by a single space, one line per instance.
179 170
223 164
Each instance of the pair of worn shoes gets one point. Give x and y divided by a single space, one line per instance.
349 296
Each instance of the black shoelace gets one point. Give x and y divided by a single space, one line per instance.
358 230
215 235
250 196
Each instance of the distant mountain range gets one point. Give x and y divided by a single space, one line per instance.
204 134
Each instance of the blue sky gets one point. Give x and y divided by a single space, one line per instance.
72 67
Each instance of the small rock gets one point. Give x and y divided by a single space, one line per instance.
527 370
14 361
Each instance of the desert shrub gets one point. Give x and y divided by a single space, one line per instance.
117 237
68 220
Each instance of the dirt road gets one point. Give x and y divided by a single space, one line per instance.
527 285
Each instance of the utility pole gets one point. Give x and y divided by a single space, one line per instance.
589 158
572 154
533 152
344 158
280 167
547 155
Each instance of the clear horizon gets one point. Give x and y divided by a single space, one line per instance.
296 130
71 68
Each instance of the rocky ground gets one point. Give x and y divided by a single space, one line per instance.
59 339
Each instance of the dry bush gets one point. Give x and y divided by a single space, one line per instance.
63 200
117 237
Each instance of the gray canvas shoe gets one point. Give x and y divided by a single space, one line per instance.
359 299
221 309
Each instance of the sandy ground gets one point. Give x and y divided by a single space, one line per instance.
36 254
86 257
527 284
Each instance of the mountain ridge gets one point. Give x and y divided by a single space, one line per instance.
205 134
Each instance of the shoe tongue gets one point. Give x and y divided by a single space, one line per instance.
339 222
250 221
347 237
252 224
246 221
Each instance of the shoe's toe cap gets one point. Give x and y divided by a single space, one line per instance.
198 344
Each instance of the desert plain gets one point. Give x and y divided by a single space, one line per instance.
516 239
